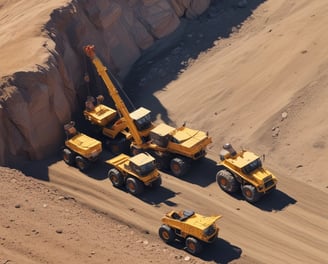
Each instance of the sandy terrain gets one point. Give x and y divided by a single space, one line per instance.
263 88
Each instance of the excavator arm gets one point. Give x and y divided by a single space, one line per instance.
120 106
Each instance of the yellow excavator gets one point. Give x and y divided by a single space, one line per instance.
113 128
173 148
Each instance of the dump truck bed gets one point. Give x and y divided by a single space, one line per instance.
101 115
118 160
84 145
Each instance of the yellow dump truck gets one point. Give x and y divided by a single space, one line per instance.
175 148
193 228
243 170
134 172
80 149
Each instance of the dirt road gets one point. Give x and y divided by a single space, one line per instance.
288 226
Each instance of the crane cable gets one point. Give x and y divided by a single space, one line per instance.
119 83
86 78
121 89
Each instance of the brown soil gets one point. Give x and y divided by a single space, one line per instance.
262 88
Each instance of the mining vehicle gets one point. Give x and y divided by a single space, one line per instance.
173 148
80 149
134 172
192 228
115 136
244 170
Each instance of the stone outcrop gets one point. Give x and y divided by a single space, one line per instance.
34 105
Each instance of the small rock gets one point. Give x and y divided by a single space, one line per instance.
17 206
187 258
59 231
275 131
299 166
234 29
284 116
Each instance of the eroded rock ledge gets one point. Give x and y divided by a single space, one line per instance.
34 104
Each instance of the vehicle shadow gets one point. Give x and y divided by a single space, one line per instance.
275 201
202 172
99 169
221 251
155 196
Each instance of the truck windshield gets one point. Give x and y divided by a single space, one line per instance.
252 166
143 122
145 169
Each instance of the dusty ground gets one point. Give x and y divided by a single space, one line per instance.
240 89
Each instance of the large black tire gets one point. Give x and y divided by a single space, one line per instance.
250 193
68 156
227 181
134 186
179 166
162 163
162 160
157 182
116 178
193 245
166 233
81 163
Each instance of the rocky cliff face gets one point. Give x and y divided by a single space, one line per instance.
35 104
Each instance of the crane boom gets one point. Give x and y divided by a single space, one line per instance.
171 147
120 106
